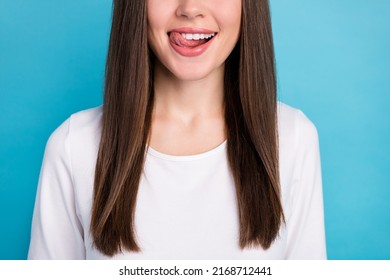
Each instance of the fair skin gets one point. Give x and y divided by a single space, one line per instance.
191 40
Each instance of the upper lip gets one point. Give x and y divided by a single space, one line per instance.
192 30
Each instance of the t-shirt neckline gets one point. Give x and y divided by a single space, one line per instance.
221 147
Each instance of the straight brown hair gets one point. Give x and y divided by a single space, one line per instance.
250 116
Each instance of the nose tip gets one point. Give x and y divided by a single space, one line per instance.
190 9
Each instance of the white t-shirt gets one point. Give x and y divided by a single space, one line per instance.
186 205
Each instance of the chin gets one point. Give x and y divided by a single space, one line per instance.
191 75
194 72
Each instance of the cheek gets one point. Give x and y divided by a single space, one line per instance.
159 12
154 21
231 9
232 15
230 21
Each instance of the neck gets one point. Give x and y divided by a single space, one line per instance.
188 99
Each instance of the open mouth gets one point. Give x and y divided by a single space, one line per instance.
190 40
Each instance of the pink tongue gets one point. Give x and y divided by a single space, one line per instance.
179 40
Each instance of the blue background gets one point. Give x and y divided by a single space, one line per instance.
332 58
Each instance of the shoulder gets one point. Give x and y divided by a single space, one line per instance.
298 141
294 125
86 122
81 128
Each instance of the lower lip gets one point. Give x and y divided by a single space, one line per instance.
191 52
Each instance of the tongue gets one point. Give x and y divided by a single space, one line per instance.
179 40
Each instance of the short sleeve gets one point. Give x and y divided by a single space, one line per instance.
305 220
56 230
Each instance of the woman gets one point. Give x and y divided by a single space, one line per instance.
190 156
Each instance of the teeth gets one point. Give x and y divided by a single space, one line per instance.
197 36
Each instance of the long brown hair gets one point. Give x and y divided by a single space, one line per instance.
250 116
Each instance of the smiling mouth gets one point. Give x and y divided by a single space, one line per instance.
190 40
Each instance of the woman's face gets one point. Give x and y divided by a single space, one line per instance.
193 38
